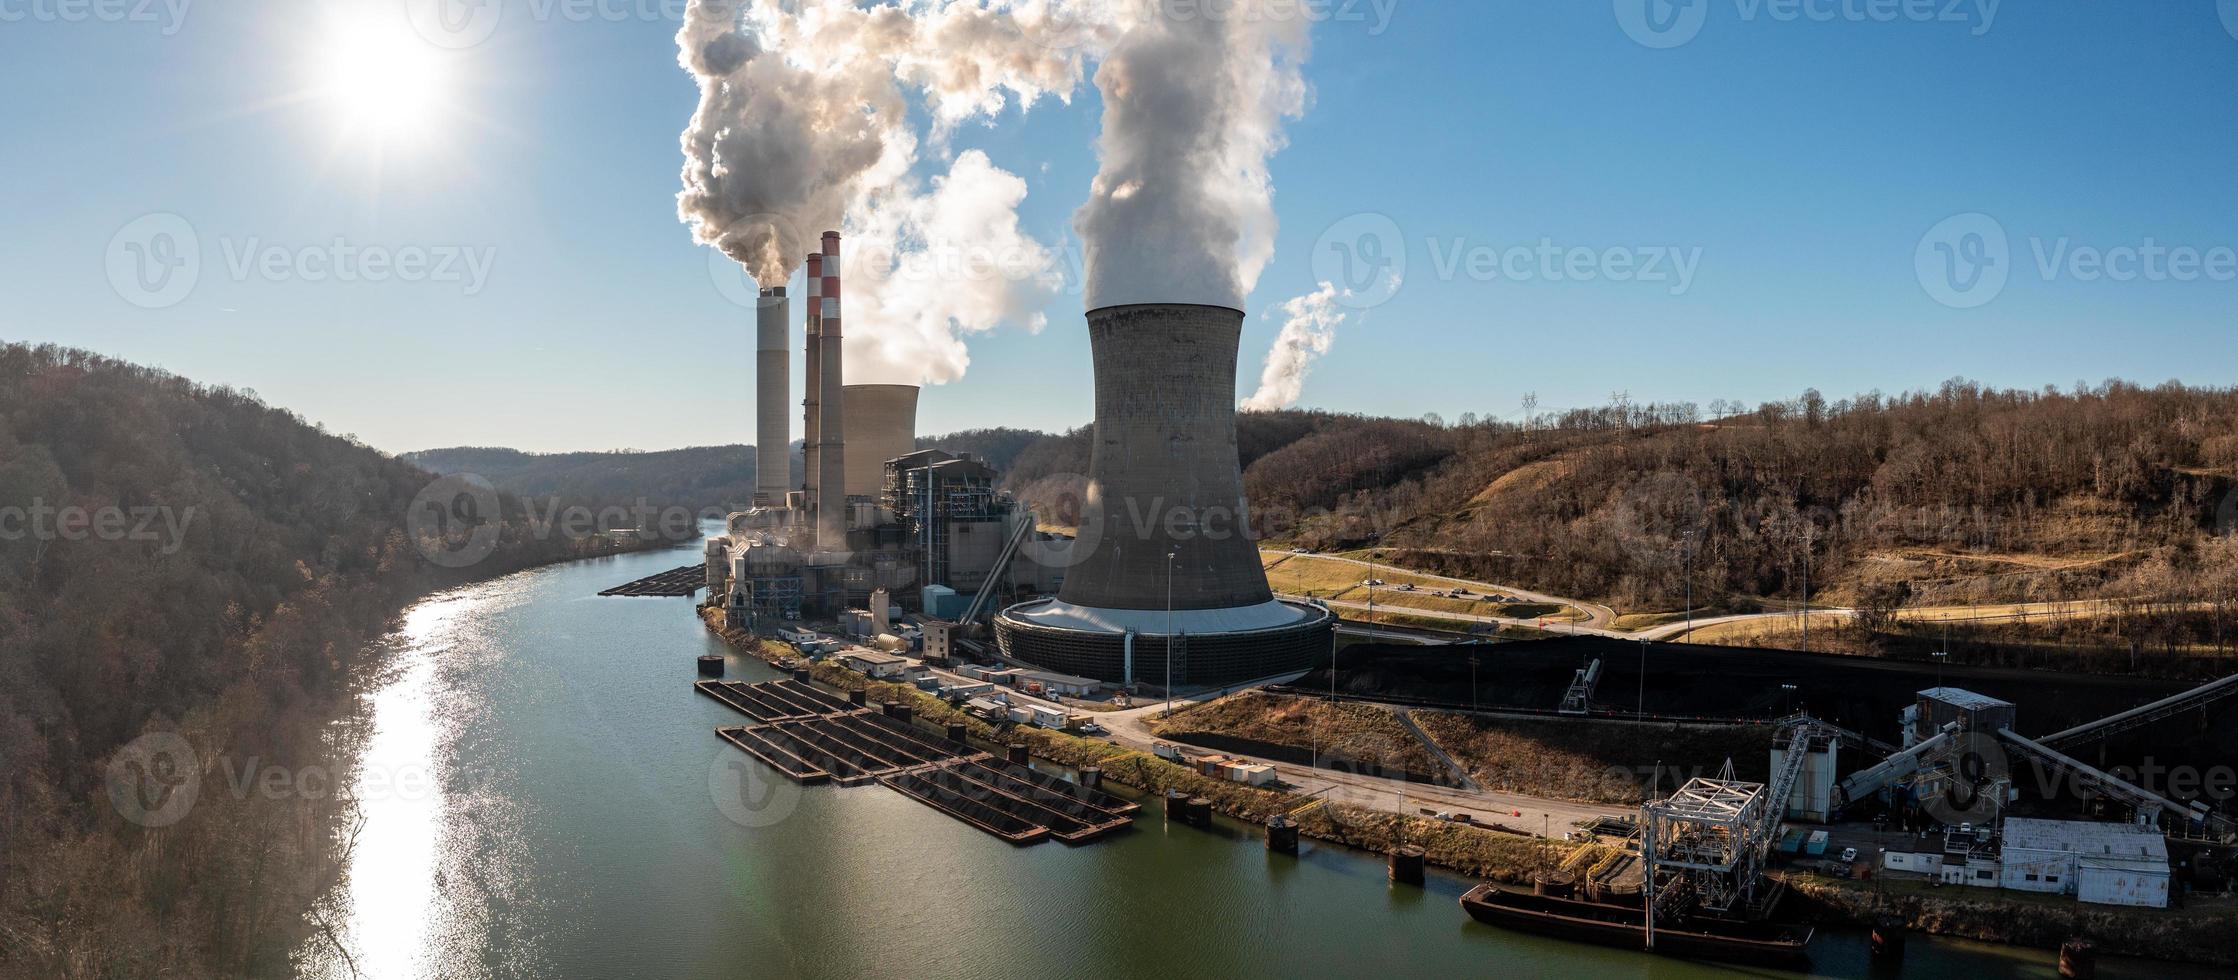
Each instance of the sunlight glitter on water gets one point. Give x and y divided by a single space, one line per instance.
395 891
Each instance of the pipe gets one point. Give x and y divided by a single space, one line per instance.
831 459
772 390
811 436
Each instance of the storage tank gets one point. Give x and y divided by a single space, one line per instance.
881 425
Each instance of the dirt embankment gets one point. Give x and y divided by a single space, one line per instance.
1358 737
1592 761
2182 935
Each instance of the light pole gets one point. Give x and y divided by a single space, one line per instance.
1639 714
1786 691
1688 538
1169 633
1940 656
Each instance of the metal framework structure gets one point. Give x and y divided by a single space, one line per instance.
1578 699
1705 847
2115 724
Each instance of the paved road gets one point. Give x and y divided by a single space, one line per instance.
1528 813
1597 616
1600 619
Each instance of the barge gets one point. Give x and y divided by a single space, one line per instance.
1766 944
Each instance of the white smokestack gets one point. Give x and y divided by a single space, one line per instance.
773 388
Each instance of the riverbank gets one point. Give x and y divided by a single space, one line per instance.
2188 936
2207 937
1502 857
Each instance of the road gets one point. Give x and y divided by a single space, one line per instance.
1131 729
1597 616
1600 620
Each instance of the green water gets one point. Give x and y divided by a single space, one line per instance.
545 798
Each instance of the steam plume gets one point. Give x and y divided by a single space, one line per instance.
1306 335
803 126
1183 210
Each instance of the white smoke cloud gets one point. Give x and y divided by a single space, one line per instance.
1183 210
1306 335
803 126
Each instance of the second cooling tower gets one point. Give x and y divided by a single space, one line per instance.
1165 571
881 425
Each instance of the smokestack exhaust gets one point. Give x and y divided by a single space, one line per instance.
831 460
772 391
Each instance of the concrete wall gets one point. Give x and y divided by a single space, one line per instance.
2054 870
1164 461
2116 884
881 424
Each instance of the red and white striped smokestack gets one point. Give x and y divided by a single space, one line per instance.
812 432
831 461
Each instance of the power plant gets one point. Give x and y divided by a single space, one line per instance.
882 520
1167 580
1163 583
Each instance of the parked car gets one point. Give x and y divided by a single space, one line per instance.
1849 855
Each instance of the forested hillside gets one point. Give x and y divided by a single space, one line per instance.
1959 495
697 478
180 558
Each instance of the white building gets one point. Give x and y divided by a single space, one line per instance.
874 664
2102 863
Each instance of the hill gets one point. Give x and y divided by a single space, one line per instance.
183 559
698 478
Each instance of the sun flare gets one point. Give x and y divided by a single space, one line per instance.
379 80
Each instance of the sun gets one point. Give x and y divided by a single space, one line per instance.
378 80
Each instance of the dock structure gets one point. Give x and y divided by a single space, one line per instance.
674 583
774 701
816 739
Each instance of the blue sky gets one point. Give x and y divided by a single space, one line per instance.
1801 163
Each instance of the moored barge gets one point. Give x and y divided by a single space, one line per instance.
1767 944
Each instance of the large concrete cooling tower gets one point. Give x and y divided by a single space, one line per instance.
881 424
773 386
1165 525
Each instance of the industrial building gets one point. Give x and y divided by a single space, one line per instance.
1166 580
2100 863
870 513
2097 863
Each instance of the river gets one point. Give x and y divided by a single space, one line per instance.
543 797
